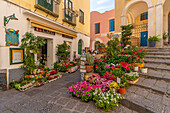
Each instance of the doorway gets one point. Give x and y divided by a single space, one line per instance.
80 47
96 45
144 38
45 55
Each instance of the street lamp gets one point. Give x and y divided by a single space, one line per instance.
8 18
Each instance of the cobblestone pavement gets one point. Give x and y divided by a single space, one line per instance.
50 98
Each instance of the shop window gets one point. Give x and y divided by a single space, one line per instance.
144 16
81 16
48 4
97 28
111 25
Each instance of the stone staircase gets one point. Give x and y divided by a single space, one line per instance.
151 94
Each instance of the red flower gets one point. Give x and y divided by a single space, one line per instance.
96 66
125 71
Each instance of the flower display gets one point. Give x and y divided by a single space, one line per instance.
113 85
106 100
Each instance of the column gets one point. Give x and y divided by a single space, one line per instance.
150 21
159 23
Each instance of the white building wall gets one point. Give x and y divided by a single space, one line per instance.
23 25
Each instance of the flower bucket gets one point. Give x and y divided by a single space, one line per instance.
122 90
152 44
140 65
144 70
136 68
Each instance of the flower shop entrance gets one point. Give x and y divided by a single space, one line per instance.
45 55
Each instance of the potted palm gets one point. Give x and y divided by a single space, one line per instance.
89 63
101 47
152 40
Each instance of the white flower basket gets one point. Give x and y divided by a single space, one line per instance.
144 70
136 68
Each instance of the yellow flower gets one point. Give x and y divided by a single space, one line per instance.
113 85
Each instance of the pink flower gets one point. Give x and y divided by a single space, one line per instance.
71 89
96 66
88 94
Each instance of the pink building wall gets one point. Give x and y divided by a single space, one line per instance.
103 19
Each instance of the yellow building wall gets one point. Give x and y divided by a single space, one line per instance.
119 6
84 5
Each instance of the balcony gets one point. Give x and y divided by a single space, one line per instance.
69 16
50 10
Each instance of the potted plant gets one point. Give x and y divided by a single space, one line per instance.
165 36
152 40
122 89
89 63
101 47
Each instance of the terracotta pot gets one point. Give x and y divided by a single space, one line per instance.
89 69
122 91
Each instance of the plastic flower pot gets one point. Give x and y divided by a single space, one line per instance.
122 90
152 44
136 68
144 70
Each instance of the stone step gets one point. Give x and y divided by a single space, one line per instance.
158 57
158 67
156 76
158 86
158 50
145 101
159 53
156 61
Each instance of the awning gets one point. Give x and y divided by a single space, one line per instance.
50 28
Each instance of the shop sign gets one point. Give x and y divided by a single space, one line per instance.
44 31
12 37
16 56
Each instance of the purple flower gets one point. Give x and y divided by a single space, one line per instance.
81 93
74 93
78 95
88 94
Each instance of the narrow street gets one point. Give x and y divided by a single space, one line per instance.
50 98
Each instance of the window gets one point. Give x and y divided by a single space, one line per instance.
144 16
81 16
97 28
48 4
68 6
111 25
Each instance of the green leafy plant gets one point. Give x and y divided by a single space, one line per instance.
89 59
63 52
31 44
154 38
113 48
126 33
165 36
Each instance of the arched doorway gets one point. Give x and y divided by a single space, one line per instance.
80 47
96 45
136 13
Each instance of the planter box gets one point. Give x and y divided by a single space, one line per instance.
133 82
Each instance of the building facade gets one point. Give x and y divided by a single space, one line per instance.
56 21
149 17
101 25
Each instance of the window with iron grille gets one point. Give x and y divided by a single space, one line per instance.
48 4
111 25
97 28
144 16
68 6
81 16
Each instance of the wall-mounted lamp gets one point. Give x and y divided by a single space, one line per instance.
8 18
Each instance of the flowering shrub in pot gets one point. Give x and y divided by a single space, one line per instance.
106 100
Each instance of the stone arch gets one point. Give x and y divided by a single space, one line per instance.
93 43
